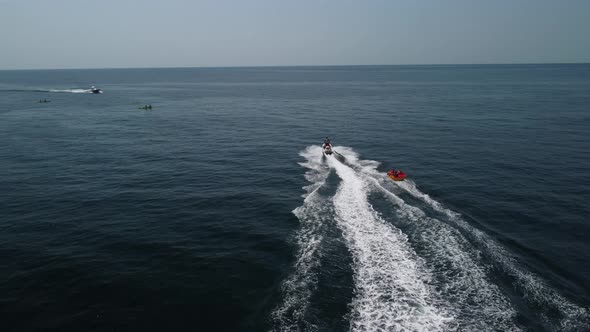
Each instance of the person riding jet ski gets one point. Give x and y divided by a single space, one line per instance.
327 146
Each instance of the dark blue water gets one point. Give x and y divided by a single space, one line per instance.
216 210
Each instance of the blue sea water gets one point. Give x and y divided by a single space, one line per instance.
216 210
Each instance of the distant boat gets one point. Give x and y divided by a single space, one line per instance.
95 90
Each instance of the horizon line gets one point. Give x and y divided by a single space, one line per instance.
308 66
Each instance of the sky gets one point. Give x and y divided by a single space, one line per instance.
51 34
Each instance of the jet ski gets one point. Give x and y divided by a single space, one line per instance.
396 175
95 90
327 147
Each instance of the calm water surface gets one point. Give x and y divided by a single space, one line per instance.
217 211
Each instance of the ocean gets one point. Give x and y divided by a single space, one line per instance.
217 211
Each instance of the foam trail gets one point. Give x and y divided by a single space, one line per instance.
541 296
459 276
71 90
301 284
392 287
51 90
478 303
535 290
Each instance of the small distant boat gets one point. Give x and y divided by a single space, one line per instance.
396 175
95 90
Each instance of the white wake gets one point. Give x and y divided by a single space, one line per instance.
535 290
469 282
392 286
71 90
432 278
301 284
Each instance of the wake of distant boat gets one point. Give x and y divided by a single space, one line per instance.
72 91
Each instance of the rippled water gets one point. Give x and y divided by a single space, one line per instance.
216 210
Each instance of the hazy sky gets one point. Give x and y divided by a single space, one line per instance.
190 33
